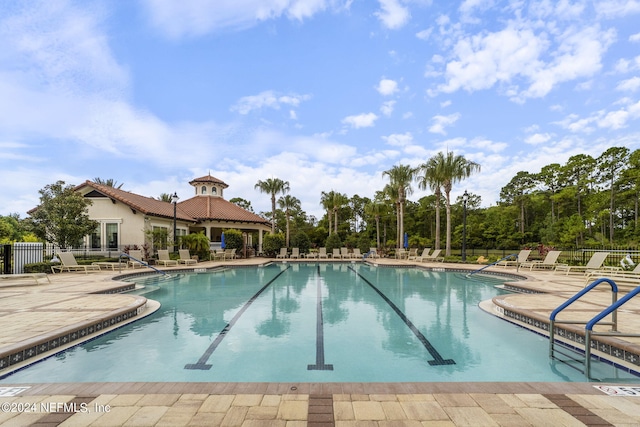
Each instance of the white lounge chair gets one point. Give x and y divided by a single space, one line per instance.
594 264
356 253
68 263
522 257
344 253
373 253
135 258
185 257
283 253
435 256
163 258
549 261
34 276
295 253
425 253
322 253
336 253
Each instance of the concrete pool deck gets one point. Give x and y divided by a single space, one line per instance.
75 303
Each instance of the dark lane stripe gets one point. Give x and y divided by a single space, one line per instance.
202 362
437 359
320 365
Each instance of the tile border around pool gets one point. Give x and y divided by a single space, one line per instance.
38 348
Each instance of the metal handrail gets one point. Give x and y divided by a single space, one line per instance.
589 332
613 323
489 265
142 262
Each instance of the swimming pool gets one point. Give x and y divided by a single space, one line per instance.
314 322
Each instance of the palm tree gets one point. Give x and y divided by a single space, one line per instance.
333 202
288 203
400 178
375 210
452 169
273 186
165 197
108 182
432 178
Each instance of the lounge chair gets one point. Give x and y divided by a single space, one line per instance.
34 276
336 253
68 263
594 264
616 274
295 253
185 257
435 256
356 253
163 258
216 254
230 253
550 261
373 253
522 257
322 253
344 253
283 253
312 255
425 253
401 253
135 258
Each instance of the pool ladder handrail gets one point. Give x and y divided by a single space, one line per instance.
589 324
489 265
142 262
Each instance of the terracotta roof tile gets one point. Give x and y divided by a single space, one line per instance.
146 205
216 208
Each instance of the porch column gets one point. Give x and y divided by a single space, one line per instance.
260 241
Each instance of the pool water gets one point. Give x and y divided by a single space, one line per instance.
315 322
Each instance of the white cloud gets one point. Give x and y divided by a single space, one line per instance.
387 87
517 56
399 139
269 99
634 37
441 122
629 85
424 34
615 8
393 14
387 108
196 18
538 138
361 120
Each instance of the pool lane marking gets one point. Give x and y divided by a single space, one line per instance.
202 362
320 365
437 359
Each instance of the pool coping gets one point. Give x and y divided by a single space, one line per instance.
24 353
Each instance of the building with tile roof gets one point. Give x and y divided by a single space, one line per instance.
127 218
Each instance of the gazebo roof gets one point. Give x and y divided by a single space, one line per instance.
208 179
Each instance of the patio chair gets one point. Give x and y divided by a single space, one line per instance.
344 253
295 253
616 274
401 253
594 264
356 253
68 263
163 258
522 257
312 255
425 253
550 261
435 256
216 254
230 253
135 258
185 257
336 253
283 253
373 253
322 253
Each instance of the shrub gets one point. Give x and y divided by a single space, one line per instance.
272 243
233 239
301 240
39 267
332 242
364 244
198 244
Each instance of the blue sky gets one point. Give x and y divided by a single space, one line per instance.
326 94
